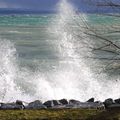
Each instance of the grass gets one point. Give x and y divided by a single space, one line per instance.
59 114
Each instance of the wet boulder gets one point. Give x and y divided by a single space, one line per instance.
86 105
91 100
48 104
59 107
11 106
56 102
113 107
108 102
72 101
19 102
63 101
52 103
117 101
35 105
98 102
95 105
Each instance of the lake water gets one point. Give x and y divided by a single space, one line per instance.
49 57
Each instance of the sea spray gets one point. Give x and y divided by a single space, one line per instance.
9 74
72 79
69 76
8 69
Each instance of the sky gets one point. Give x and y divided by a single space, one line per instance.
49 5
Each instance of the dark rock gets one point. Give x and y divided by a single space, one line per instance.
63 101
86 105
74 101
48 104
108 102
117 101
59 107
52 103
18 102
11 106
113 107
74 104
98 102
56 102
36 105
91 100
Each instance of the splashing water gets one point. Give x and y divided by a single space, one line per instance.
72 78
8 71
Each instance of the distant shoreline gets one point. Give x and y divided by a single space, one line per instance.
4 11
10 11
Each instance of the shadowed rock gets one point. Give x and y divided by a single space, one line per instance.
108 102
51 103
81 105
59 107
63 101
35 105
117 101
56 102
113 106
86 105
98 102
72 101
11 106
91 100
48 104
19 102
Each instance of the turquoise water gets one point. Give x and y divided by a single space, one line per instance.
29 34
32 39
46 55
24 20
36 43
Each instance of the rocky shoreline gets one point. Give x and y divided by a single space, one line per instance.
62 104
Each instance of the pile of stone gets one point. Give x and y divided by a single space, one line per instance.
62 104
18 105
111 104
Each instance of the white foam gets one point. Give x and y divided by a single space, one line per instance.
72 78
7 71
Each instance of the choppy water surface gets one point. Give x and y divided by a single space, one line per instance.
49 56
